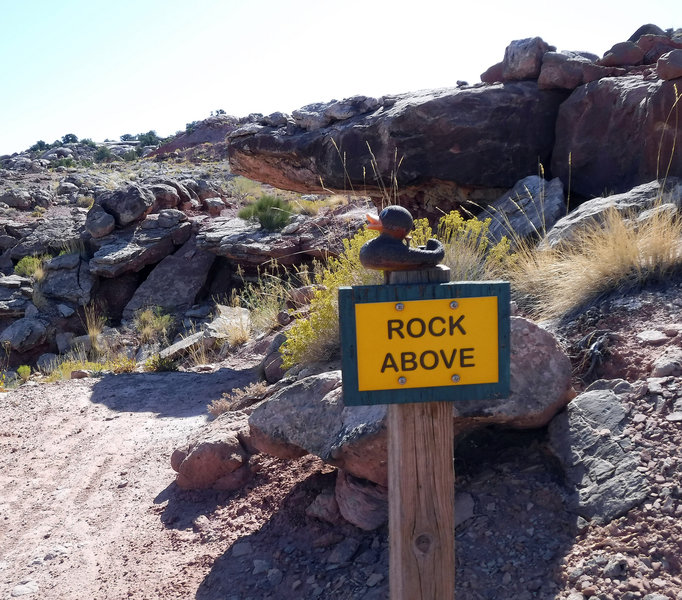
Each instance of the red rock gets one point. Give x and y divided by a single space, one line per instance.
623 53
669 66
613 129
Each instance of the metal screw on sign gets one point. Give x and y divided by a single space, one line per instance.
402 380
455 378
400 306
454 304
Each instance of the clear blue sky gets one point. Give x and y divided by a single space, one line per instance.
100 69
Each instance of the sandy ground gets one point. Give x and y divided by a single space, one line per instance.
85 480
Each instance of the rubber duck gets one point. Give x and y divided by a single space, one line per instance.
391 251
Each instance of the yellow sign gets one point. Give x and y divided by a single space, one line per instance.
427 343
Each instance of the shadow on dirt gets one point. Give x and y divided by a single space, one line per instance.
172 394
511 547
184 506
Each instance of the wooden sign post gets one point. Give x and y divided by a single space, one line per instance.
417 344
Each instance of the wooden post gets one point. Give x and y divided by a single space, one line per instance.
421 488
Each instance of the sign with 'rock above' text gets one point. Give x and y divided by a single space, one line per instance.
424 342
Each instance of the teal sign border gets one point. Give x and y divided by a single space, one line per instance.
350 296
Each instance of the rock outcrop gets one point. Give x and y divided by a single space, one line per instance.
247 244
217 457
599 124
453 145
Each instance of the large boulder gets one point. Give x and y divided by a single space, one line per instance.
453 145
523 59
15 295
540 383
669 66
530 208
175 282
217 457
127 204
245 243
52 235
131 250
99 222
616 133
24 334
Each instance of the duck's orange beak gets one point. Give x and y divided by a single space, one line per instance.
374 223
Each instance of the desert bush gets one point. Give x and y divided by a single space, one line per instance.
244 189
122 364
67 162
103 154
32 266
270 211
313 207
85 202
158 363
24 372
317 337
153 324
95 320
617 253
469 252
238 398
149 139
265 298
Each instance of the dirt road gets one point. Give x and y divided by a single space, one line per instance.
85 484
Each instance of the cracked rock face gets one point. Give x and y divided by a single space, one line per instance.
598 457
68 278
52 235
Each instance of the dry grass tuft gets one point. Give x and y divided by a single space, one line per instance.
617 254
153 325
238 398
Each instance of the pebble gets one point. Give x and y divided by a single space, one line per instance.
674 417
652 337
374 579
275 577
343 551
241 549
24 589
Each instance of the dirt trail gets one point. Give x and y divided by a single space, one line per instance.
85 479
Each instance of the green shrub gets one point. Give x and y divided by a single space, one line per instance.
67 162
39 146
149 139
88 142
317 337
31 266
157 363
103 154
130 156
271 212
24 372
